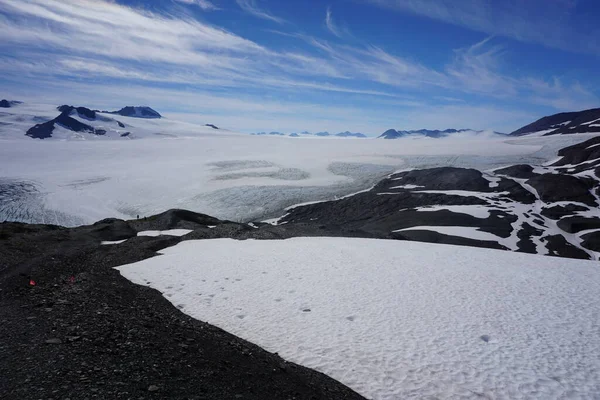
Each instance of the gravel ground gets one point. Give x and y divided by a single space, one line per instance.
84 332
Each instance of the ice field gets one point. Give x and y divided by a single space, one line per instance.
83 178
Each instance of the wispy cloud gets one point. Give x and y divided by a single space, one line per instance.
203 4
331 24
546 22
251 7
73 41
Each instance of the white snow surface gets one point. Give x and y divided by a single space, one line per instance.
170 232
395 319
109 242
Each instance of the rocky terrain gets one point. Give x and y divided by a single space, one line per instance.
73 327
550 210
563 123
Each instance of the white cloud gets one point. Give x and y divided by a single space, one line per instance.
250 7
203 4
331 24
546 22
123 47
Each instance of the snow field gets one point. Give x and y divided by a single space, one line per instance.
398 320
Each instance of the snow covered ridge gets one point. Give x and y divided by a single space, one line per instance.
542 209
41 121
563 123
397 320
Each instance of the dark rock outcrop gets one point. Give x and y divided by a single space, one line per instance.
557 212
577 224
520 171
64 119
558 187
563 123
136 112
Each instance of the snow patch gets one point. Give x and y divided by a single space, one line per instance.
170 232
398 320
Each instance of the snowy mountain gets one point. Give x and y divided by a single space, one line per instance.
564 123
396 134
351 134
70 119
268 133
66 122
136 112
8 103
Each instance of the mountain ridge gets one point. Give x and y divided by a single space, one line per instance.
563 123
435 133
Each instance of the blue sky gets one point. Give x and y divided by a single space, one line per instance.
293 65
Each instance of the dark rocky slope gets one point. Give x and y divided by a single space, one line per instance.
532 209
65 119
564 123
85 332
136 112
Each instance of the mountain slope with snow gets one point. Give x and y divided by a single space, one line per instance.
136 112
544 209
41 121
563 123
406 321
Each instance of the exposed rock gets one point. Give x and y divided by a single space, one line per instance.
558 187
136 112
446 178
520 171
558 246
557 212
563 123
578 224
436 237
591 241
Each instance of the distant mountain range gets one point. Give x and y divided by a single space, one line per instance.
320 134
397 134
564 123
